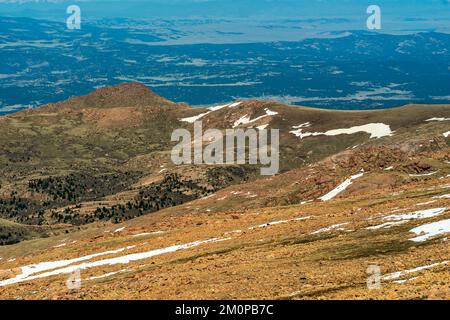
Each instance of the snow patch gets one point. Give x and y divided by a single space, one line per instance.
336 227
147 234
421 214
212 109
399 219
386 225
29 272
430 230
396 275
194 118
342 187
437 119
404 281
246 119
263 127
376 130
303 125
273 223
445 196
234 231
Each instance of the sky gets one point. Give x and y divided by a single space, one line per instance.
399 16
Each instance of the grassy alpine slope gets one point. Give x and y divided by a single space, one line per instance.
91 179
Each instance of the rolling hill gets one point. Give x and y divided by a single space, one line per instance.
88 184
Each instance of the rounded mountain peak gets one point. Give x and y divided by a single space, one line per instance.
123 95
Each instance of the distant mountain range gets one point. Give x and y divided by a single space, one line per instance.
44 62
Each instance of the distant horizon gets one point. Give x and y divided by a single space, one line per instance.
315 53
411 14
288 19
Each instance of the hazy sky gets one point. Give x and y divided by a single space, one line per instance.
229 8
398 15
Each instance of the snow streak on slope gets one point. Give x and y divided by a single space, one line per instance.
194 118
396 275
437 119
399 219
212 109
335 227
246 119
422 214
273 223
30 272
340 188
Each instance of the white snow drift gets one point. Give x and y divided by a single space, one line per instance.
396 275
246 119
212 109
430 230
340 188
335 227
437 119
32 272
399 219
376 130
